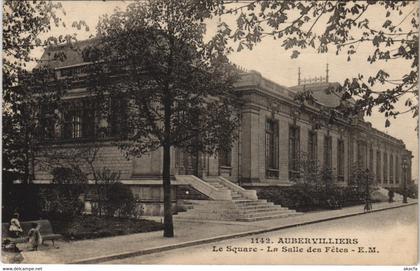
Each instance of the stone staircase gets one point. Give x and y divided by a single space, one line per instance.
242 206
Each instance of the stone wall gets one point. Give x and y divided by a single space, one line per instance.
107 155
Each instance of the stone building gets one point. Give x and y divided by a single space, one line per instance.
274 134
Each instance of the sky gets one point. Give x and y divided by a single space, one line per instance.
274 63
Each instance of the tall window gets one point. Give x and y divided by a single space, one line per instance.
77 125
378 166
385 168
179 157
312 146
340 160
81 119
391 169
371 159
327 152
294 148
72 124
272 148
397 170
361 154
225 158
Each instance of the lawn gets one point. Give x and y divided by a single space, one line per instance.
90 227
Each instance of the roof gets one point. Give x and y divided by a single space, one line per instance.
324 93
72 53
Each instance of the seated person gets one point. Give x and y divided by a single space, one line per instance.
15 229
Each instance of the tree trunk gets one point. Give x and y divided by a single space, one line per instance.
26 159
99 195
167 103
32 174
197 164
167 201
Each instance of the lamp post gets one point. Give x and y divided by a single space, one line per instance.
367 184
405 167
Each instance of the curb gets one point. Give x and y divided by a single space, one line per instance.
95 260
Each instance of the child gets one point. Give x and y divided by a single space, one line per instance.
15 228
35 238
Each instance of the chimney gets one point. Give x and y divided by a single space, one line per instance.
326 77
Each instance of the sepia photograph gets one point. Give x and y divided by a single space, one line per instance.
209 132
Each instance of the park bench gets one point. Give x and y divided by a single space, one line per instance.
45 230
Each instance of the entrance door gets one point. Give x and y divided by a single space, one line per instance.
189 164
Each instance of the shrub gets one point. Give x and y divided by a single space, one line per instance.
309 198
411 190
111 197
104 178
294 197
90 227
119 201
352 195
62 198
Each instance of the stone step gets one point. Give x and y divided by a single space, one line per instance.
254 206
250 219
207 215
237 198
234 211
267 213
230 217
207 202
210 216
203 218
261 208
217 209
239 208
241 203
251 203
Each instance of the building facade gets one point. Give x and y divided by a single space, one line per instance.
275 135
